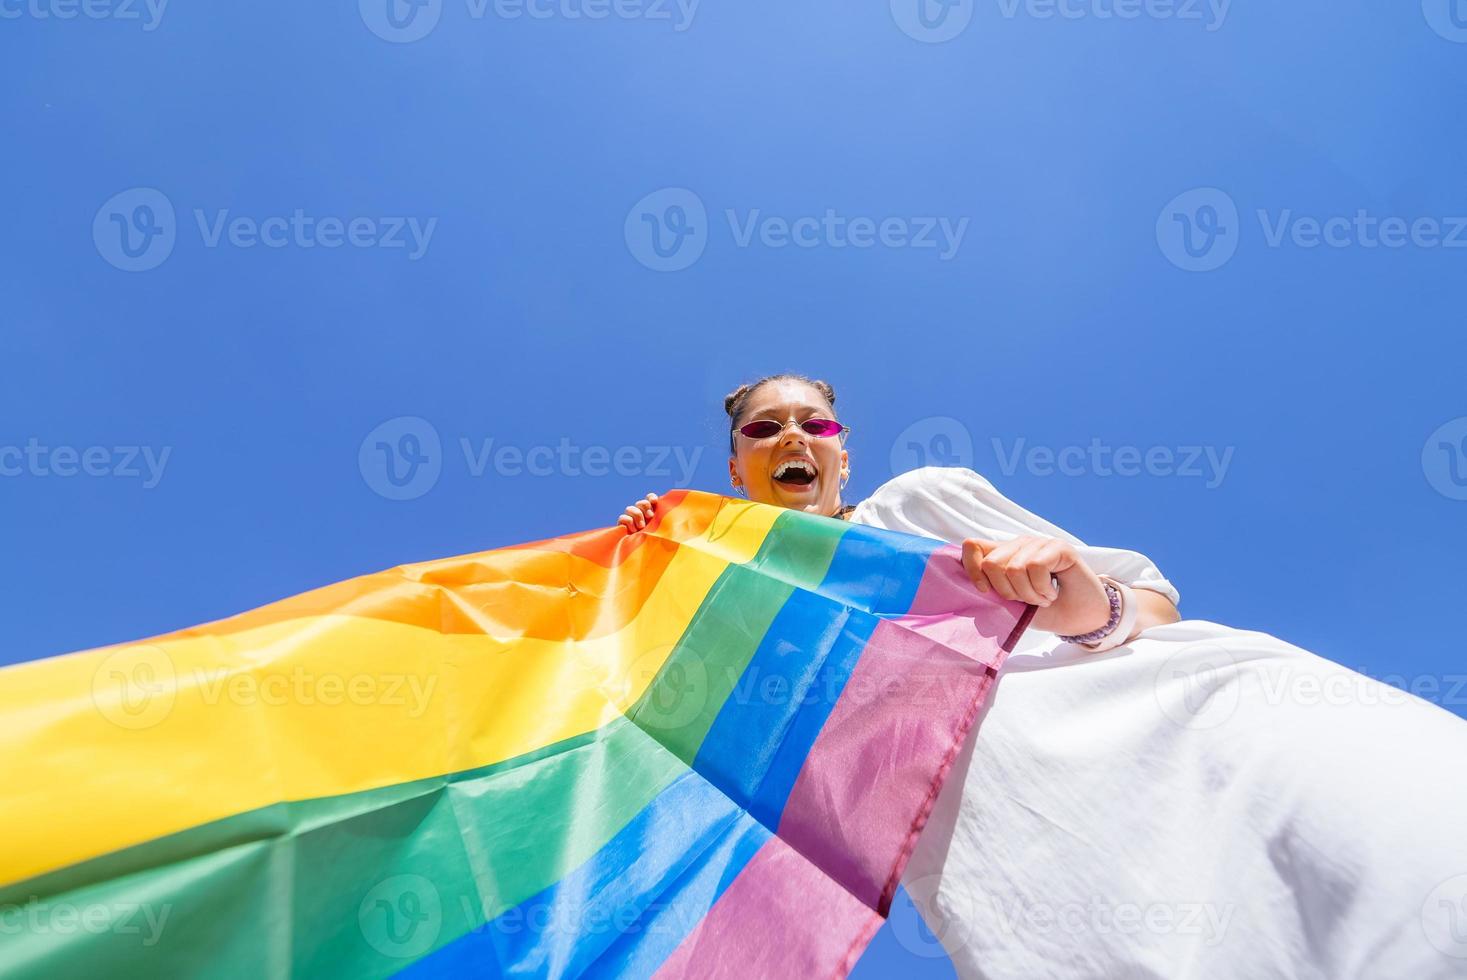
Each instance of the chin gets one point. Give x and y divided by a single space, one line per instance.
807 499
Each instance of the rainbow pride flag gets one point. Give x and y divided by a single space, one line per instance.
705 749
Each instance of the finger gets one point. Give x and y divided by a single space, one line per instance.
973 551
1000 582
1043 584
637 517
1051 559
626 522
1036 559
1040 584
1065 556
1018 576
995 567
997 572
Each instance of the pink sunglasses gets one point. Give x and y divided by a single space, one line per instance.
764 428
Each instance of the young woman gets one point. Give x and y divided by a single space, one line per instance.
1147 797
787 449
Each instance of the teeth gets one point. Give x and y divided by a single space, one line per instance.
793 464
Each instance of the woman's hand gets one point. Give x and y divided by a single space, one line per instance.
638 515
1045 572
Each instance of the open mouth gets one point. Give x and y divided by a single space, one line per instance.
795 473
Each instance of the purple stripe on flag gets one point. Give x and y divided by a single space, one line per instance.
873 774
781 917
949 609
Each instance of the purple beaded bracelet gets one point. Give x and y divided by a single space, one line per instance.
1095 636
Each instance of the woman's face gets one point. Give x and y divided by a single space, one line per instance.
756 462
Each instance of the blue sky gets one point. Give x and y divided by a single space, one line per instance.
1187 280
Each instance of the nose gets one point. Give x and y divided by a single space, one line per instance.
798 433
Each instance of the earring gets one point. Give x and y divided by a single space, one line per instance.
844 480
740 488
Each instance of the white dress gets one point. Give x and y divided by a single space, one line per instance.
1202 802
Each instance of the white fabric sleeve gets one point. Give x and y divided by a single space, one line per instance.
953 503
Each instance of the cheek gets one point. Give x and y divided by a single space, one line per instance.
754 464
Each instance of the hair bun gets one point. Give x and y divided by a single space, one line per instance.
732 399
